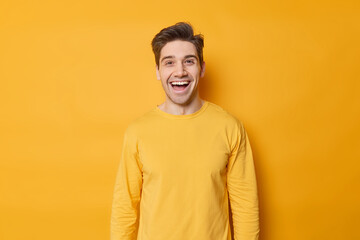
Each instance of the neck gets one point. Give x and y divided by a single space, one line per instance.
177 109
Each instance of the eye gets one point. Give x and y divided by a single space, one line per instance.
189 61
170 62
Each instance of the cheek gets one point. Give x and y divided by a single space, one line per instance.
165 75
195 74
194 71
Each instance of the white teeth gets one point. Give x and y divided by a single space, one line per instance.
179 83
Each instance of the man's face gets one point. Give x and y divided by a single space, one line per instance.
179 71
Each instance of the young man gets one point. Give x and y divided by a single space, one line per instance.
185 159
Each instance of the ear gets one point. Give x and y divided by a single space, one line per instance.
157 72
202 73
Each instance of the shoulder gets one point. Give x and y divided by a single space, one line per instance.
141 122
229 123
223 116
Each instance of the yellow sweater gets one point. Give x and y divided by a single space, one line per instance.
176 175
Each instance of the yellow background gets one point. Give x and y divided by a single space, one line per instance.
74 74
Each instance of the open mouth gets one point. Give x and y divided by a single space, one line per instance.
180 85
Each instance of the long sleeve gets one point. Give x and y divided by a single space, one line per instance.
242 188
127 192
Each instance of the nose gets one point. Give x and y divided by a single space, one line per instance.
180 71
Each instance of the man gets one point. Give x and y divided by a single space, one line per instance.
185 159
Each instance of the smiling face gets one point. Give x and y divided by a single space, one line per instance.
179 71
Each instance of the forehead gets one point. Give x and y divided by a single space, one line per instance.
178 49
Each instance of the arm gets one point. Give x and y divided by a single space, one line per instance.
127 192
242 187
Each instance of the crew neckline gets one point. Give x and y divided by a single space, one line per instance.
186 116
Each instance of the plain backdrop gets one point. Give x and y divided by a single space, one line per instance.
75 73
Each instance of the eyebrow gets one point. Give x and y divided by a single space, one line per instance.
172 56
166 57
191 56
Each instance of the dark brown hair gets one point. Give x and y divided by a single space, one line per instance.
180 31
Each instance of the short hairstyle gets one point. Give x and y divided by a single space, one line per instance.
180 31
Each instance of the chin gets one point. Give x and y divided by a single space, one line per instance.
184 102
